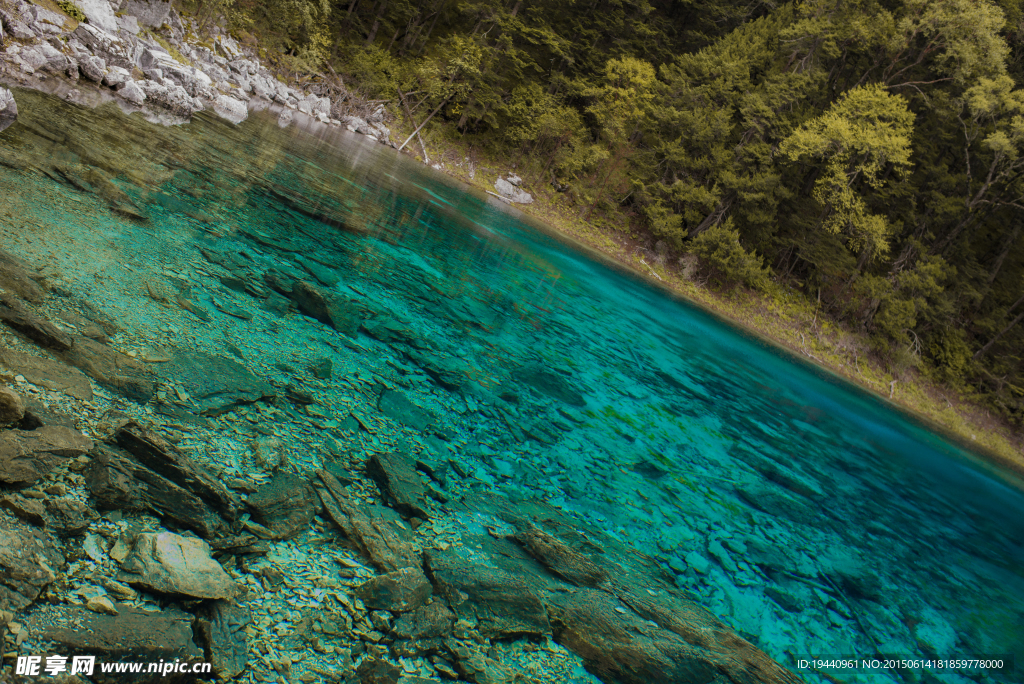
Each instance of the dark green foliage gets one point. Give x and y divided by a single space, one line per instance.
725 261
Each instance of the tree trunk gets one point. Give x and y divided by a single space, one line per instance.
405 105
1002 255
376 23
981 352
443 103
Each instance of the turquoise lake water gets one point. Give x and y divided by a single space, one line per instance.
808 515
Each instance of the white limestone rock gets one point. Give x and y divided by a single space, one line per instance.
152 13
98 13
512 193
93 68
131 92
8 108
116 77
229 108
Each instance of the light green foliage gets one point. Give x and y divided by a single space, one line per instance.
865 133
69 8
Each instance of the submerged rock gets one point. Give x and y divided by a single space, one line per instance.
216 384
377 532
12 407
399 591
284 505
550 383
17 276
396 476
132 635
29 562
221 624
432 621
397 406
504 603
326 307
142 472
44 333
26 456
111 368
45 372
171 564
8 108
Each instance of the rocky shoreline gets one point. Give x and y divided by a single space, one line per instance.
126 52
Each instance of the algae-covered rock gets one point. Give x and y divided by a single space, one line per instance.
216 384
396 476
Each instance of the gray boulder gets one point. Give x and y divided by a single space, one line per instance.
15 26
8 108
129 23
44 56
93 68
116 77
512 193
99 13
131 92
229 108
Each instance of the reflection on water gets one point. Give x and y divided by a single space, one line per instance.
807 515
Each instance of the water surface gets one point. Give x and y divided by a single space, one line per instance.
807 514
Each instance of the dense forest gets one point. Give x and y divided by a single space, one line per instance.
870 154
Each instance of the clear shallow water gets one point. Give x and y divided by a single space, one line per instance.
806 514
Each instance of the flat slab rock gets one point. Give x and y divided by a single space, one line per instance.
29 561
15 274
27 455
215 383
133 634
17 316
284 505
45 372
141 471
112 369
505 603
399 591
221 624
376 532
171 564
403 489
397 406
635 628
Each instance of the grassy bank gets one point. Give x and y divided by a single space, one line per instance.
785 317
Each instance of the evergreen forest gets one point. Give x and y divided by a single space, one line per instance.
867 154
